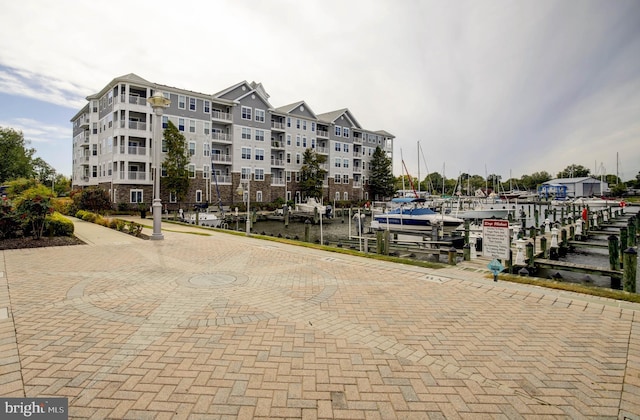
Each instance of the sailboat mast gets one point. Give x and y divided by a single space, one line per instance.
418 165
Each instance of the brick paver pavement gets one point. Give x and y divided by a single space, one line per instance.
225 326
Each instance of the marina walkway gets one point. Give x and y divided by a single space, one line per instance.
226 326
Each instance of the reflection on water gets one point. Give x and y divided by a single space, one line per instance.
333 231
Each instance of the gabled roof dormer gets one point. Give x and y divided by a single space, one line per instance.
299 108
335 118
243 89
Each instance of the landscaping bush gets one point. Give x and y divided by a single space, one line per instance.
62 205
32 207
94 199
58 225
10 226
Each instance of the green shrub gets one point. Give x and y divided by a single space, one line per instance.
80 214
89 217
58 225
9 223
120 225
62 205
32 208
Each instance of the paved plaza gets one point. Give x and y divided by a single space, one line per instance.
224 326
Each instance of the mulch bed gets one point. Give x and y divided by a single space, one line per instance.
20 243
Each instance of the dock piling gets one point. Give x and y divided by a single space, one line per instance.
629 279
614 253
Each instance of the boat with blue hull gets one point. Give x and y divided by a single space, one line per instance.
413 214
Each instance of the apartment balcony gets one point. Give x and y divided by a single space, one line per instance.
277 180
134 125
220 158
277 126
322 150
357 184
357 140
221 137
322 133
84 121
277 162
133 99
133 176
357 170
222 117
277 144
222 179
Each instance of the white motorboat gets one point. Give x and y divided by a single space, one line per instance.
411 214
204 219
310 206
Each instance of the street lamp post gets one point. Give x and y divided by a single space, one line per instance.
158 102
240 191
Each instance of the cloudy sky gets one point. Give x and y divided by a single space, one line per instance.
486 87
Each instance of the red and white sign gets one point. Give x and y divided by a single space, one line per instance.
496 241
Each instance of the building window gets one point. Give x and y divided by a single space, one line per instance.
313 126
345 132
258 174
173 197
207 107
205 171
304 124
297 177
192 148
288 139
207 128
246 133
313 143
345 163
298 124
288 121
192 126
259 196
192 104
338 131
259 154
337 162
288 157
345 179
298 140
181 124
94 171
136 196
259 135
164 145
165 121
345 147
336 179
206 149
163 170
94 149
246 113
260 115
181 101
288 176
298 158
198 196
345 196
246 153
192 170
304 142
338 146
245 173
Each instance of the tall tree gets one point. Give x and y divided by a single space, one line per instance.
176 161
42 171
312 174
381 181
15 156
574 171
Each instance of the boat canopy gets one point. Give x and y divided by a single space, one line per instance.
404 200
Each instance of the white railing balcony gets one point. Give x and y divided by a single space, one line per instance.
357 154
277 125
322 133
222 179
322 150
277 180
221 137
137 150
137 100
357 169
357 184
277 162
277 144
86 158
137 175
221 116
134 125
357 140
216 157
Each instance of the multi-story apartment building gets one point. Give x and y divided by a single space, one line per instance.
232 136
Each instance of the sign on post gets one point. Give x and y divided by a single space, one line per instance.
496 241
